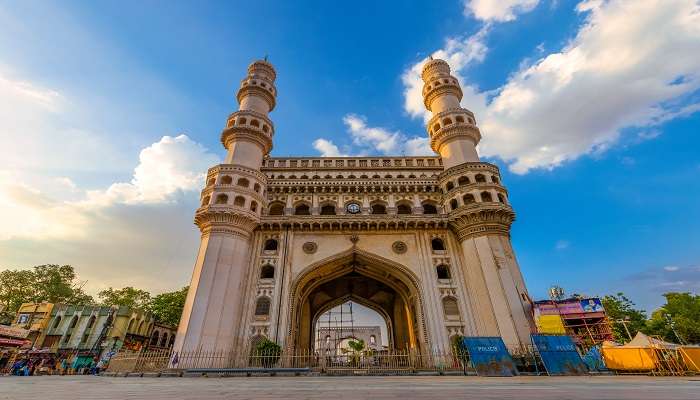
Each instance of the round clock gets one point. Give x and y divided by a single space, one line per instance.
353 208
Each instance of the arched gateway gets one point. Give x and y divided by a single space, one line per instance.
380 284
423 241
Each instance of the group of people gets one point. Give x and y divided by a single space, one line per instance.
48 366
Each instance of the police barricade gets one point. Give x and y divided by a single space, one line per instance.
559 355
489 356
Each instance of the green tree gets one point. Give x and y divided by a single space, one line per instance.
127 296
267 353
167 307
16 287
678 320
52 283
619 308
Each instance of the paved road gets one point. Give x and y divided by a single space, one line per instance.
340 388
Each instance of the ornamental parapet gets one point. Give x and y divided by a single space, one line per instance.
350 223
445 134
255 86
249 133
251 118
226 219
479 219
354 163
440 87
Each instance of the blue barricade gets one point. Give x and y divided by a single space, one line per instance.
489 356
559 355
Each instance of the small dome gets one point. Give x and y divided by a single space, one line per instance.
435 66
262 68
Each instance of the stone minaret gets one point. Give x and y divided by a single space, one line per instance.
231 205
479 212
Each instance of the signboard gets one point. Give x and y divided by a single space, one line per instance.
570 307
559 355
489 356
12 342
13 332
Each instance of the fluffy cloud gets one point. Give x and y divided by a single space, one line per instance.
170 165
372 139
617 72
327 148
498 10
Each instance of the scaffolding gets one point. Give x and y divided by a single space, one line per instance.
336 322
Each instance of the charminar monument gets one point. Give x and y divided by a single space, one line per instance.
423 241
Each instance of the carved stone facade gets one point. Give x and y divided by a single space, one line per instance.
424 241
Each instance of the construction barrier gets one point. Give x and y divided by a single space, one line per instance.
691 357
594 359
629 358
489 356
559 355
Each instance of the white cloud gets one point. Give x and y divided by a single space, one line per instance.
617 72
327 148
498 10
671 268
372 139
170 165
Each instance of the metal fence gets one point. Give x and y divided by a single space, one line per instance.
395 362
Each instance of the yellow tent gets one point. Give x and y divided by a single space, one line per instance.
637 355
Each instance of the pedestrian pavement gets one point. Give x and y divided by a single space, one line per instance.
341 388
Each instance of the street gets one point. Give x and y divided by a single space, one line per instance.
337 388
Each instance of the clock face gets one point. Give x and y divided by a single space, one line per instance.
353 208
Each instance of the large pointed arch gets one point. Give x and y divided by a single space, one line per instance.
356 261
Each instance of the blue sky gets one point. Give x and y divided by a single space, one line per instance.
589 108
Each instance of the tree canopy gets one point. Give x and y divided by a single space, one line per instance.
621 311
51 283
167 307
126 296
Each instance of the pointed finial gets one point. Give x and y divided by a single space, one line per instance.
265 57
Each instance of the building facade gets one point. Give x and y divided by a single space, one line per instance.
35 318
423 241
334 340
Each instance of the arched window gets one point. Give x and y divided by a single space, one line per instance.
443 271
437 244
256 187
276 209
454 204
243 182
164 340
211 182
376 176
154 338
172 340
446 121
304 177
459 119
378 208
267 272
463 180
480 178
328 339
140 328
271 245
262 306
206 200
501 198
327 177
328 209
450 186
241 121
90 323
468 198
130 326
226 180
255 123
239 201
221 199
253 206
450 307
403 209
494 179
302 209
372 339
429 208
57 322
486 196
